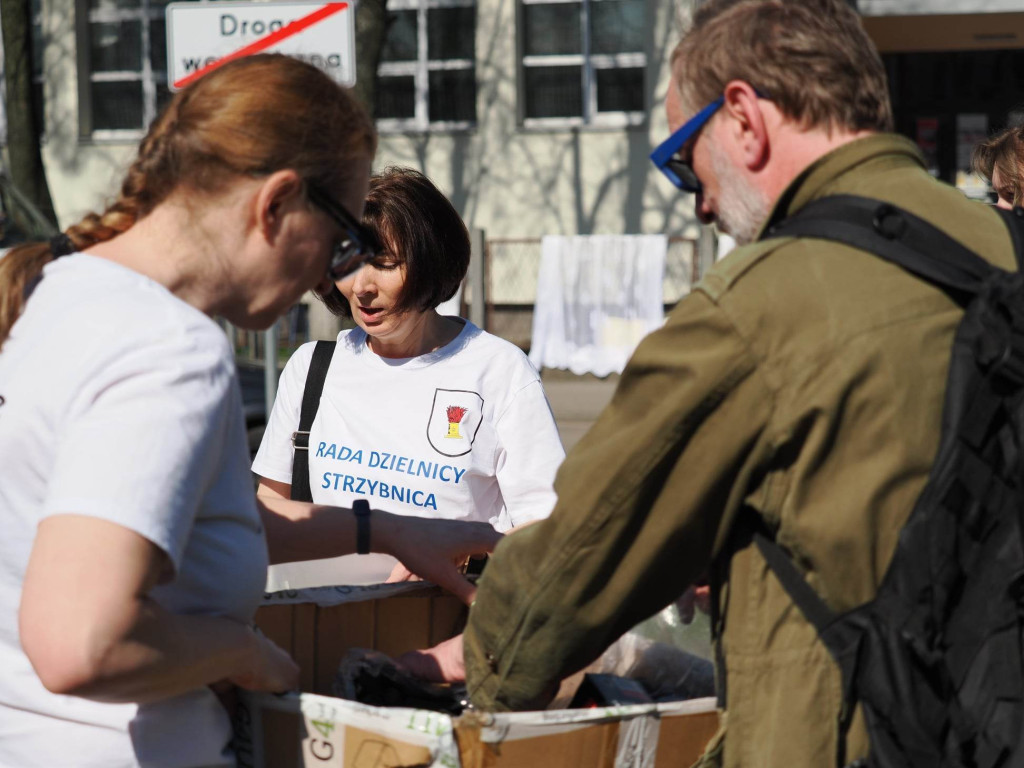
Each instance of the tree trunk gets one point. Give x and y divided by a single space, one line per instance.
25 158
371 30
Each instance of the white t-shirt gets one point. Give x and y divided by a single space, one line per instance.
464 433
120 401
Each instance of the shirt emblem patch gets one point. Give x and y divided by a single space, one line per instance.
455 418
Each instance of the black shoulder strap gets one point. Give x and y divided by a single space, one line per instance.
894 234
796 586
310 403
1014 221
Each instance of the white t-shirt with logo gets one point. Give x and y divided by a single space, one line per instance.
119 401
464 433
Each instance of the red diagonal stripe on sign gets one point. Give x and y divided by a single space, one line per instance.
265 42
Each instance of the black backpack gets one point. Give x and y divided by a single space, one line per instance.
936 659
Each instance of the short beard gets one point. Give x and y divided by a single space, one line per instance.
742 209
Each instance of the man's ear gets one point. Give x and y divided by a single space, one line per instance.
279 193
748 126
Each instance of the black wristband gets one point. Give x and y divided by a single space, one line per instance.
361 509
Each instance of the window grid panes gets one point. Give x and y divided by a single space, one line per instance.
427 76
396 97
584 62
125 69
402 42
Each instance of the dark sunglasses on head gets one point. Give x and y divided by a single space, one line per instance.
357 245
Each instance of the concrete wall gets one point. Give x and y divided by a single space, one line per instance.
510 181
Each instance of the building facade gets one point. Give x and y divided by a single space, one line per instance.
535 116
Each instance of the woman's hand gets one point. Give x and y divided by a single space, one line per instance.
272 669
89 628
401 573
433 549
444 663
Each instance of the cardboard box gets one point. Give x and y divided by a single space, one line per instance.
307 730
642 736
318 625
299 730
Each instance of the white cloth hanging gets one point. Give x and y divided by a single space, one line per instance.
597 297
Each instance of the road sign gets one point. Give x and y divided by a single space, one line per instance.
203 36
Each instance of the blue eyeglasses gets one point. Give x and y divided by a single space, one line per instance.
667 159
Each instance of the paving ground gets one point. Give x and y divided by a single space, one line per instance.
576 401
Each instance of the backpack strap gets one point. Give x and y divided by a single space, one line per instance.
796 586
834 635
1014 221
314 388
893 234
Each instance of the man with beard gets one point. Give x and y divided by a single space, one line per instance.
798 390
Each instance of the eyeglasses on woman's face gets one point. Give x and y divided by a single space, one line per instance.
357 245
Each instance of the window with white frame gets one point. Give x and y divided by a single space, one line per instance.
122 65
427 75
583 62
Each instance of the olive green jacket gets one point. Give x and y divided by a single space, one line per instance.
802 380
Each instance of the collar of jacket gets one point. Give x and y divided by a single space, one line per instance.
817 179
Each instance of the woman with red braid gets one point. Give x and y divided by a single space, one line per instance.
134 551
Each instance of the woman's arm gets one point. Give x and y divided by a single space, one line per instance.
89 628
430 548
531 452
274 489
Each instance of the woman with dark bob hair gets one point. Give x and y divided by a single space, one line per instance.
423 414
134 552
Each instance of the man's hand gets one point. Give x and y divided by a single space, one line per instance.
444 663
